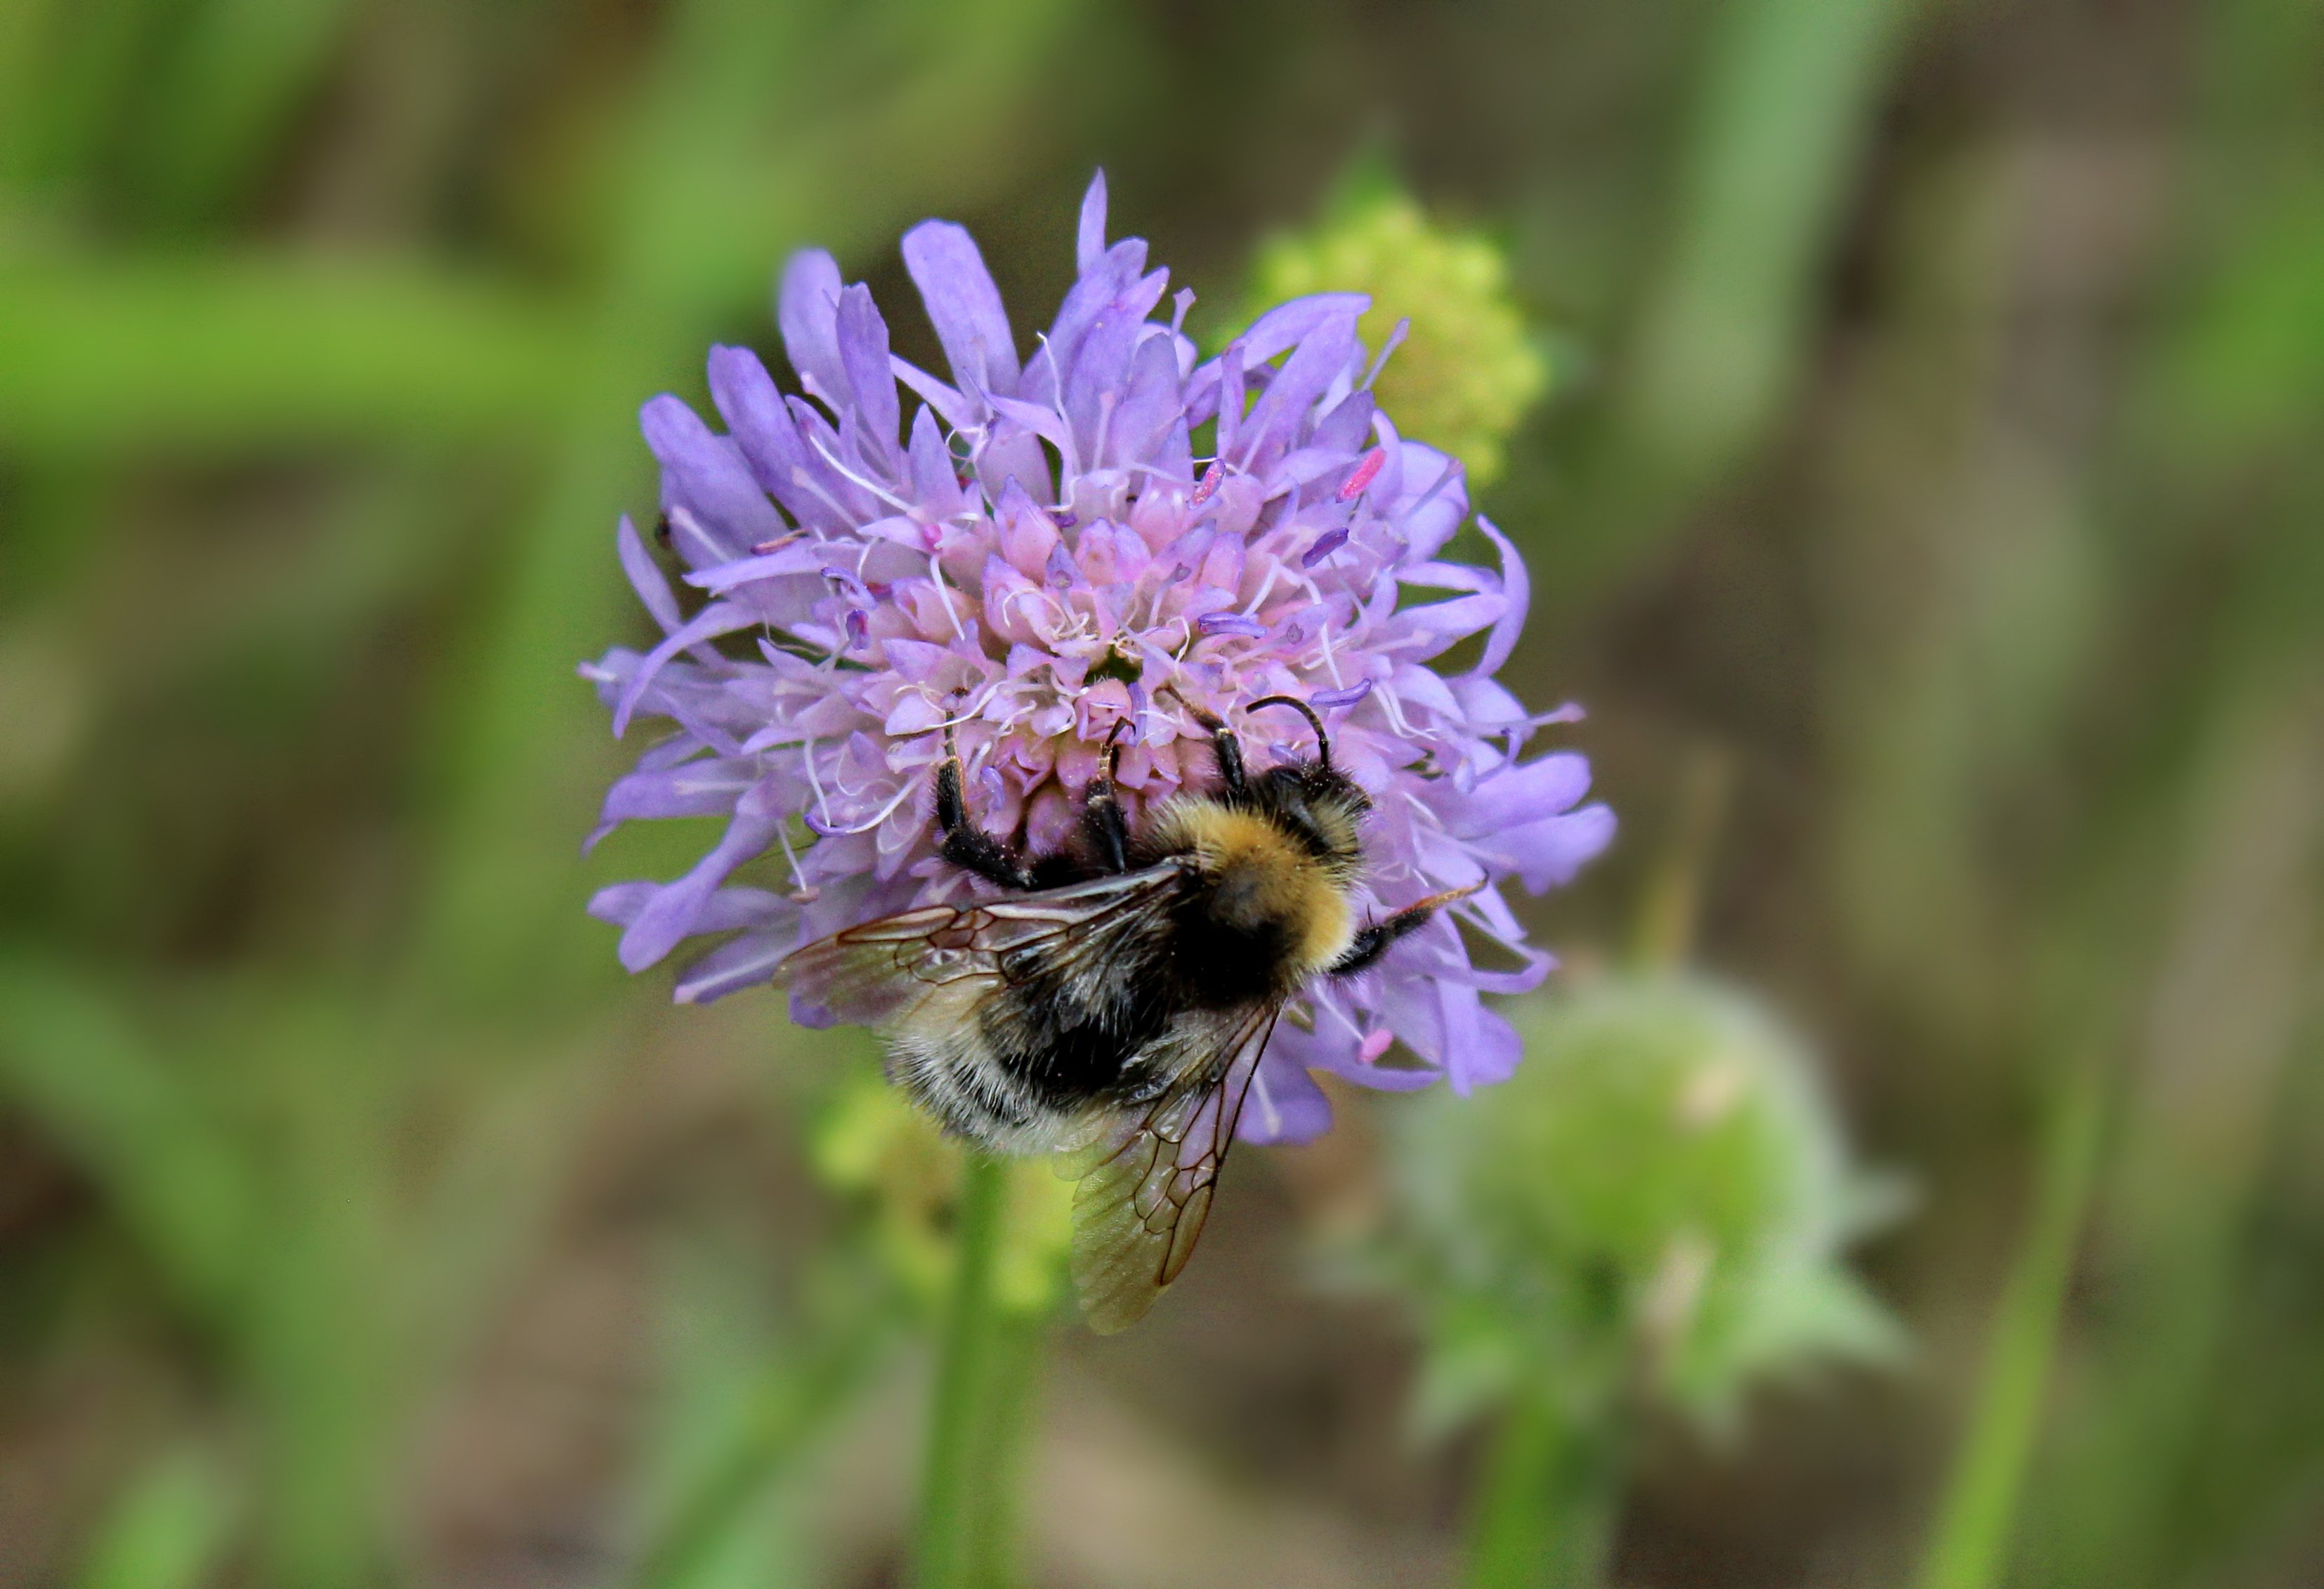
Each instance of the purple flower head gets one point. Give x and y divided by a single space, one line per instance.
1032 558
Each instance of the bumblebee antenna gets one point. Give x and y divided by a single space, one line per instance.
1322 743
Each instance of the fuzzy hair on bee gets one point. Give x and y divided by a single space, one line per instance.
1111 1002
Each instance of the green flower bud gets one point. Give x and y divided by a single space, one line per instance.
1468 371
1657 1202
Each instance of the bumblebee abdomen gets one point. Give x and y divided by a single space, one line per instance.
1067 1050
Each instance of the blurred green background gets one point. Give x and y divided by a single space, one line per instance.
1929 507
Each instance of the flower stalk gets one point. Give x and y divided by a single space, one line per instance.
1548 1499
986 1368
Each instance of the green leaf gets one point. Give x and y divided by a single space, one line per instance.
72 1060
268 351
168 1529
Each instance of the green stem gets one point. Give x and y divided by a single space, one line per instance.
1546 1509
976 1422
1967 1546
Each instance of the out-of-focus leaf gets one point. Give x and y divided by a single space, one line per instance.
266 352
82 57
747 1410
2248 375
1776 137
237 73
76 1065
1776 133
168 1529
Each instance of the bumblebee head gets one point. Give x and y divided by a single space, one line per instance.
1315 798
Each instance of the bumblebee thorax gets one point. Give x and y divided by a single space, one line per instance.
1267 910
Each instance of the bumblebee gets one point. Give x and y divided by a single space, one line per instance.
1111 1005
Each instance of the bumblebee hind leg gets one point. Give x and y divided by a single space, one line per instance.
966 844
1373 942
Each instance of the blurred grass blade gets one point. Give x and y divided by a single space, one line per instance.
84 57
237 74
269 351
1777 132
26 34
793 1400
1778 135
1972 1532
169 1530
73 1063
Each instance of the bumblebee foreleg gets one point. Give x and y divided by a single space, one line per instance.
1109 835
966 844
1374 941
1223 744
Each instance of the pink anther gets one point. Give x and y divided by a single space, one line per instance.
1366 471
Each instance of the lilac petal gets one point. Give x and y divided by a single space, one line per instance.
747 962
1492 1057
646 576
704 474
1150 407
671 915
1284 1104
1013 454
1287 324
863 349
1546 854
1430 493
1290 396
1516 595
1441 626
962 304
1101 369
848 502
1118 274
1090 243
1417 687
1520 794
1379 1078
1042 422
735 906
797 557
961 410
808 309
717 619
1458 1014
760 424
1489 705
935 488
696 789
620 902
1343 430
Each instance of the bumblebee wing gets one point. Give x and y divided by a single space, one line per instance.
872 974
1146 1180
